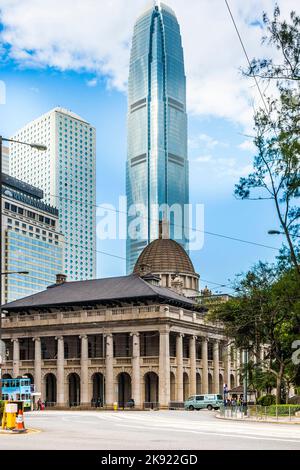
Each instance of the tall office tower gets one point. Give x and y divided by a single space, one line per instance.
5 160
30 240
66 173
157 164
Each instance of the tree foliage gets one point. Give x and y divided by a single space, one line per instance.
276 166
265 312
284 37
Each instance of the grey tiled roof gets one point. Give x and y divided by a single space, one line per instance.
98 290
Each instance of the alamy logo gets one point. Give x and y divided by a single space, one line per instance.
296 354
187 222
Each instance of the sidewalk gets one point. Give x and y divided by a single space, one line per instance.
260 419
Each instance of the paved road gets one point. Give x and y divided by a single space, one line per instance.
148 430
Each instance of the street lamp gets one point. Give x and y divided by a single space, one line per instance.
41 148
277 232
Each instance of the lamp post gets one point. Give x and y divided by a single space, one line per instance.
35 146
277 232
289 238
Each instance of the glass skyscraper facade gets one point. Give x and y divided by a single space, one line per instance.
157 164
31 240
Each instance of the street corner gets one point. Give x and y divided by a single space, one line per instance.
24 432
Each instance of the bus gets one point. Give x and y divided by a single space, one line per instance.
19 389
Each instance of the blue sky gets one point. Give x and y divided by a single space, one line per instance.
218 150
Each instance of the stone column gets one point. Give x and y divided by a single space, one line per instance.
227 366
216 367
37 364
84 379
164 369
238 365
179 361
60 370
109 371
16 357
204 355
193 365
136 373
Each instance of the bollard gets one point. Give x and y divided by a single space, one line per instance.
9 416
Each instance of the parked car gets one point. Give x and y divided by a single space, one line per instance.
209 401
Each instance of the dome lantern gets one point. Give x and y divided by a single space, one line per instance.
168 259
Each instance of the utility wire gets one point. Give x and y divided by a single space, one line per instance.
240 240
246 55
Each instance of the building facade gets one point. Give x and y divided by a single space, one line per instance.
31 240
66 173
110 340
157 164
5 160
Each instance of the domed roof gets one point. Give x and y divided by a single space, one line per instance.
164 255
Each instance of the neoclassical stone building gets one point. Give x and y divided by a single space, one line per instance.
109 340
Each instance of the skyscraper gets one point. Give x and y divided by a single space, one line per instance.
30 240
157 164
67 175
5 160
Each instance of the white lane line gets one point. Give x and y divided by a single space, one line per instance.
206 425
245 436
134 421
270 430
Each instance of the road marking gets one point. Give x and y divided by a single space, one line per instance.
143 421
246 436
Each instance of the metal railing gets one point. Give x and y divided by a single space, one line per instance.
151 405
262 413
176 405
50 404
74 403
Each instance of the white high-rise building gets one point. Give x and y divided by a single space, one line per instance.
66 172
5 160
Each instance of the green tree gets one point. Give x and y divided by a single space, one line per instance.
283 37
265 311
276 166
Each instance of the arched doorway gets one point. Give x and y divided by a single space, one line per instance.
186 386
6 376
232 381
151 389
172 387
221 384
50 389
74 389
210 383
98 389
198 383
124 389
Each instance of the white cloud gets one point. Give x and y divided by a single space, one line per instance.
203 140
248 146
95 36
203 159
92 83
223 172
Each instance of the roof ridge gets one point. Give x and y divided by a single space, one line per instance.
126 288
